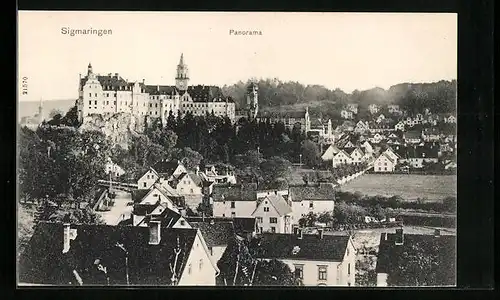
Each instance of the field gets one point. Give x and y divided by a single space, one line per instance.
410 187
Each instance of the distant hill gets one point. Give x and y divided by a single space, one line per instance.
439 97
30 108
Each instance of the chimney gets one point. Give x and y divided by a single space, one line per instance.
320 233
154 232
68 235
399 237
437 232
116 75
143 80
385 236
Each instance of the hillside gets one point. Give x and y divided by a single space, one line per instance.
274 95
30 108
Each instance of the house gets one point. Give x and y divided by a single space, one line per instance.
393 108
380 118
416 156
450 119
377 138
330 153
164 170
273 214
353 107
384 163
85 255
341 157
431 134
159 194
308 198
367 147
113 169
361 127
412 136
218 176
418 118
346 114
143 214
392 154
357 155
187 183
216 236
450 166
317 259
394 246
400 126
373 108
239 200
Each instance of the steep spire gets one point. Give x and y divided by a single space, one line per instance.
181 61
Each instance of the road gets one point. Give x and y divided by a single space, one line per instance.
120 211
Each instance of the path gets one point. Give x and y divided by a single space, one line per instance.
120 211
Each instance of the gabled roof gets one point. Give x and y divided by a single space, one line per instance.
138 195
215 234
242 225
44 263
412 134
387 156
167 216
310 247
234 192
389 252
278 202
166 168
322 191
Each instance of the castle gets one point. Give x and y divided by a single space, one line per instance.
106 95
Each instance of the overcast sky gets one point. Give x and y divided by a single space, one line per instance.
338 50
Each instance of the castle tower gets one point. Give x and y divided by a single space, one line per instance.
89 69
182 77
329 130
252 100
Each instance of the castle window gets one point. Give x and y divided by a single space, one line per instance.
95 102
114 103
90 94
96 94
90 102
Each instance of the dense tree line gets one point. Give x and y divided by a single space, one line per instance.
240 265
439 97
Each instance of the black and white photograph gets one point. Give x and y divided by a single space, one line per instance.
241 149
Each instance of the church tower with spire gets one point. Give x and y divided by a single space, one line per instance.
40 112
182 77
308 120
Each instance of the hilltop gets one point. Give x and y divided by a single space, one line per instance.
275 95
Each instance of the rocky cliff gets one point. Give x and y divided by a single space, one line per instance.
119 127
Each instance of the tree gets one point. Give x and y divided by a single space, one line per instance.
310 154
419 265
76 216
55 112
188 157
274 273
275 168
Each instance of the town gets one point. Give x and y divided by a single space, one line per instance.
140 185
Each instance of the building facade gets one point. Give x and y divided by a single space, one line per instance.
111 94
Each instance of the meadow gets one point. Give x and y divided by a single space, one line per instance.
410 187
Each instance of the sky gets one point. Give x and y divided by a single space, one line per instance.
338 50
